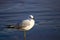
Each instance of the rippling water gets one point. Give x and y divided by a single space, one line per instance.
46 13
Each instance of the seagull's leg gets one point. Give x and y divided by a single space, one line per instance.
24 35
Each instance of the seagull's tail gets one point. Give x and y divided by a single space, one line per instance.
10 26
7 27
13 26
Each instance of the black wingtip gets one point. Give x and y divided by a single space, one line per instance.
10 26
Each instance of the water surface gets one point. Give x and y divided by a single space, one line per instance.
46 13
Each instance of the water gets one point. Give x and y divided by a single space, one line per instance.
46 13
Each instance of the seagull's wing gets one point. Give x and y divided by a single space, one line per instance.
10 26
24 23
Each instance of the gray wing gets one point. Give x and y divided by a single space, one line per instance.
21 25
24 23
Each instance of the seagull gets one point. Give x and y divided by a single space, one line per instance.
25 25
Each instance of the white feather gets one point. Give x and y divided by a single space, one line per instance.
27 24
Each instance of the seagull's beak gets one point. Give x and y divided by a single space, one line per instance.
33 18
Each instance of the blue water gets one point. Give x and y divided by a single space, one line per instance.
46 13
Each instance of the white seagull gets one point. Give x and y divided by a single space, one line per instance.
25 24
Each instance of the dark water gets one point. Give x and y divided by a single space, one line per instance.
46 13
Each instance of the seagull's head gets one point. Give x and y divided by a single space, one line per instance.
31 16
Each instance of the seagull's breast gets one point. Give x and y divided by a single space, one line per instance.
28 24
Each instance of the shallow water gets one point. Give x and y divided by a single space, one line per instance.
46 13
